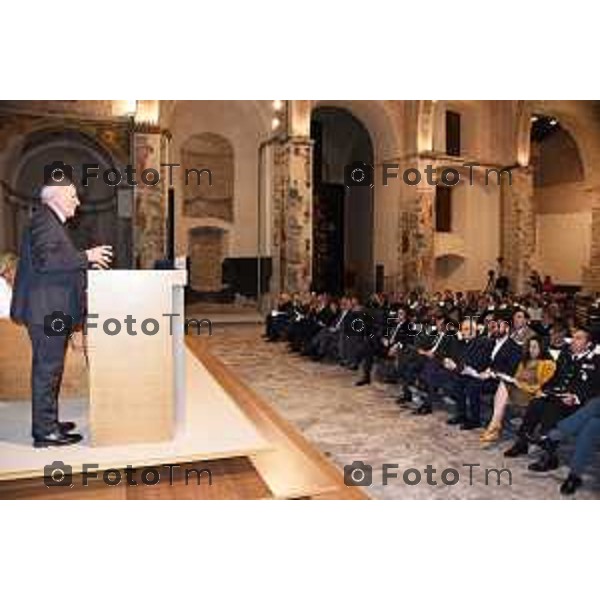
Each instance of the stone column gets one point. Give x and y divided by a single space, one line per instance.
518 234
149 221
591 273
292 215
417 233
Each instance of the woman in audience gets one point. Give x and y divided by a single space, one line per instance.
8 269
536 368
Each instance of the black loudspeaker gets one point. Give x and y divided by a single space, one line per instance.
379 278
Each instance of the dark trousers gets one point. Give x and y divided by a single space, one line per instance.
276 326
584 427
544 412
469 402
370 349
434 377
409 366
48 360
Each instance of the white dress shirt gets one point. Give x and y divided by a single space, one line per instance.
499 343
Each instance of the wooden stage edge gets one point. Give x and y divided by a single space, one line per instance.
291 469
295 468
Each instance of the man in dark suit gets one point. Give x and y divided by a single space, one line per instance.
388 339
575 381
502 360
49 298
446 363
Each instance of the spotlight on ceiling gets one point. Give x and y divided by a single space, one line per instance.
534 118
275 123
553 122
277 105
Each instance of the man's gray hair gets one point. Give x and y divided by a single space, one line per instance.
50 192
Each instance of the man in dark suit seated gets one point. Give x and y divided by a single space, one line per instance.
278 319
320 317
384 343
446 363
49 298
574 382
327 342
584 428
502 361
414 356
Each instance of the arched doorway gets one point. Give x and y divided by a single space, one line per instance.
563 207
98 220
343 214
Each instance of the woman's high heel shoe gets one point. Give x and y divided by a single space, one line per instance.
492 433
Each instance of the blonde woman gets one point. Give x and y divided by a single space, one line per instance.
535 369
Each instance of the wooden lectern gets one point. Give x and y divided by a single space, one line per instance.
136 380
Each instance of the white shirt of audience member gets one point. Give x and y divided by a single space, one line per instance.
339 322
499 343
5 298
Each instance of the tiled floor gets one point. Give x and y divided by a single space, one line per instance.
364 424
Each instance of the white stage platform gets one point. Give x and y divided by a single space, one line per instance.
214 428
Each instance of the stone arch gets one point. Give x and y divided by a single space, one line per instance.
379 118
578 132
97 219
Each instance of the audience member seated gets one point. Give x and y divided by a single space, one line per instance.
328 340
584 428
575 380
446 362
503 360
521 332
384 343
278 319
547 364
534 371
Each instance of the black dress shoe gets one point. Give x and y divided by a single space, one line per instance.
66 426
456 420
405 397
571 484
521 446
353 367
546 462
468 425
363 381
57 439
424 409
